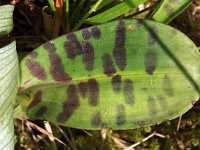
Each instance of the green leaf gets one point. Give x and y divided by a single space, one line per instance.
6 20
121 75
114 12
8 79
103 3
51 4
170 9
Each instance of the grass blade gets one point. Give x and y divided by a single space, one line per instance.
104 3
87 14
114 12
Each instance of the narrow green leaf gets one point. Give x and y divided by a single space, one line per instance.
92 9
121 75
6 20
114 12
67 6
103 3
67 22
74 17
52 6
170 9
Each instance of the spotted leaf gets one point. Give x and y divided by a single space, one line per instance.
123 74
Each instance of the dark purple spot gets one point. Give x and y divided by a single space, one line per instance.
150 61
73 47
88 55
54 59
83 89
116 83
152 105
70 105
41 111
70 49
50 47
33 54
86 34
71 37
93 88
152 35
128 92
96 119
78 47
108 65
36 99
36 69
121 114
167 85
119 51
96 32
57 69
